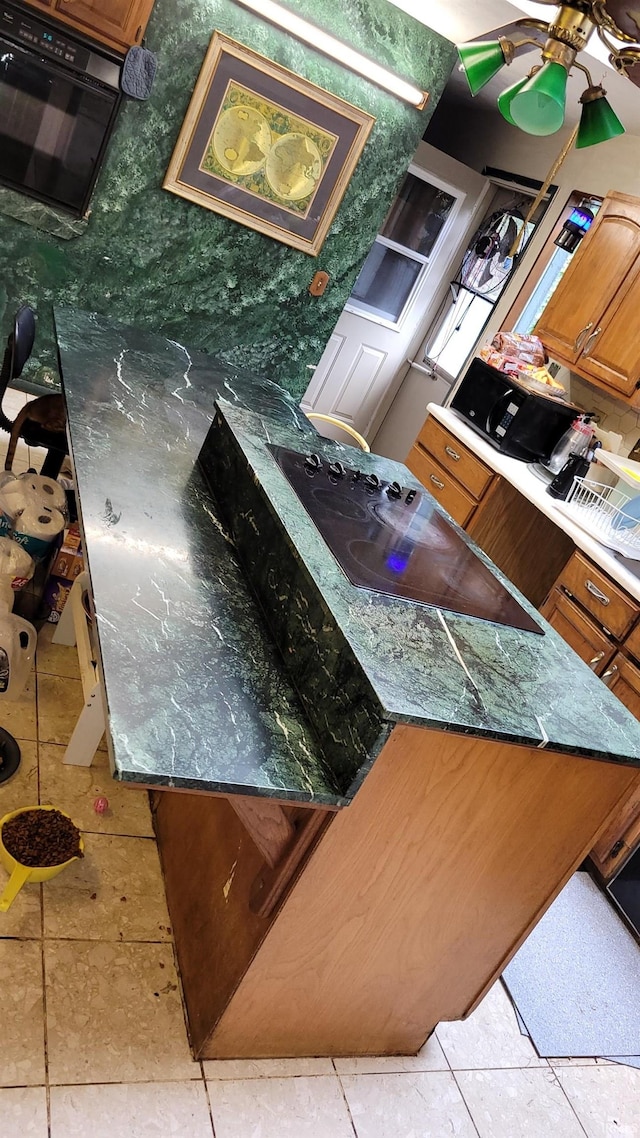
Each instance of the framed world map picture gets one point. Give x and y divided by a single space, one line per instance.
265 147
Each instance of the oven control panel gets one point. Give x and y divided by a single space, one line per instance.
32 33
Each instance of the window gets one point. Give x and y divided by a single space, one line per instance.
414 224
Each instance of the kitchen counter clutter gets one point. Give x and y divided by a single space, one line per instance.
372 818
519 474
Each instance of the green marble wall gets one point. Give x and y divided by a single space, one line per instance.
152 259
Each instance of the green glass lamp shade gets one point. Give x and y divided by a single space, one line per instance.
504 100
598 123
538 107
480 60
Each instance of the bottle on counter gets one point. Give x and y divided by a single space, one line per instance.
576 466
575 441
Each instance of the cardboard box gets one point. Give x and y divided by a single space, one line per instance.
69 561
55 596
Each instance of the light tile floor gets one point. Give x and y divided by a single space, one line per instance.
92 1033
93 1038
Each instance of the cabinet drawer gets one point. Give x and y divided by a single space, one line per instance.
443 487
632 643
610 606
579 631
454 457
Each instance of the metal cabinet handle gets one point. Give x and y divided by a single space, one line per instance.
596 659
609 673
452 453
436 482
591 341
582 334
596 592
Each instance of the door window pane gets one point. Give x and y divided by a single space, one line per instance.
418 215
385 282
459 333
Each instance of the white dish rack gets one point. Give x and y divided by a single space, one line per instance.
599 511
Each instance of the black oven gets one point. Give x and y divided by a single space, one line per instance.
59 97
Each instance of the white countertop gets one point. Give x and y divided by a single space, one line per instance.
623 571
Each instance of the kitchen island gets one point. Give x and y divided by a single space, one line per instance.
339 880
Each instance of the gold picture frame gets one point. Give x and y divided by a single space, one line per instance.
266 147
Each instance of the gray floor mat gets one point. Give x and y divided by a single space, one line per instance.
576 980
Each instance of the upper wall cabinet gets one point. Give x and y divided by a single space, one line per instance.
590 322
117 23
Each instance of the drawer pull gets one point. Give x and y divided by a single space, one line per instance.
609 673
436 482
596 659
582 334
596 592
452 453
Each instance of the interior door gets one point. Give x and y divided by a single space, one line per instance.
398 291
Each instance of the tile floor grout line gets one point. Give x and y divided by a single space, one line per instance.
558 1081
45 1032
466 1104
346 1103
206 1091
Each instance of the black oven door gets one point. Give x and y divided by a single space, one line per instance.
54 126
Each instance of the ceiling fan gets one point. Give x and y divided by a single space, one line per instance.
536 104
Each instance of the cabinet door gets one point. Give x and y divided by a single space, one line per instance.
595 274
119 22
620 838
623 679
574 626
622 835
611 353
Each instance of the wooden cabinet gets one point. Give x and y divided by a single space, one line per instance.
585 637
599 595
117 23
502 522
449 471
438 482
589 323
622 836
600 622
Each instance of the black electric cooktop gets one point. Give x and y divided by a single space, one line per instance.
391 539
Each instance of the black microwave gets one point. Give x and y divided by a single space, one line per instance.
519 422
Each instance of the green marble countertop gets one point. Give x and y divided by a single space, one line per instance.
197 693
406 663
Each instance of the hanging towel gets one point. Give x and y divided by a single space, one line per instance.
138 72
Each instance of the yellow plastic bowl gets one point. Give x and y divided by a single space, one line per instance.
20 874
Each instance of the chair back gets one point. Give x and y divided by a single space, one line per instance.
315 416
16 354
24 333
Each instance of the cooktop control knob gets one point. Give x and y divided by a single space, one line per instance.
410 496
394 491
312 463
372 482
337 470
